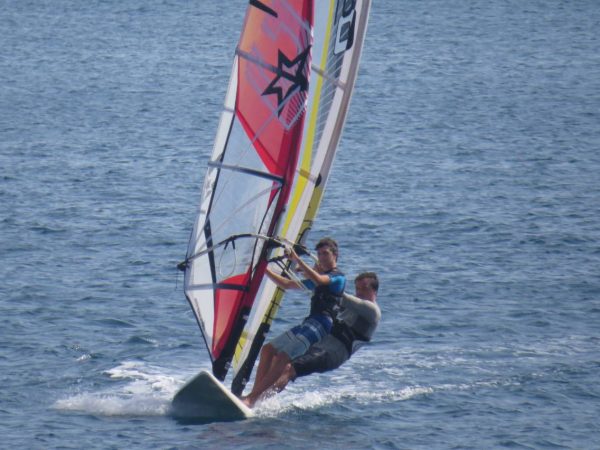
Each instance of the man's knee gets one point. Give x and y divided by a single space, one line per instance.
282 359
289 371
268 350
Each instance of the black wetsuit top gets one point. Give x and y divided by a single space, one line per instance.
324 301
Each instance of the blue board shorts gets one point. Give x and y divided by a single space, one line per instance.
296 341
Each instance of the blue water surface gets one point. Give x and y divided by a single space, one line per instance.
467 177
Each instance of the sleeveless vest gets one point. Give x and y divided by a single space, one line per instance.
324 301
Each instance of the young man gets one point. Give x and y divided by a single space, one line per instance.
354 326
327 284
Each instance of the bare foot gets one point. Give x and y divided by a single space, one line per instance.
246 401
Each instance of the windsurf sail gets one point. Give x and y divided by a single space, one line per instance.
251 171
339 31
292 78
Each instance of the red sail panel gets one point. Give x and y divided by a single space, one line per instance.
274 67
227 304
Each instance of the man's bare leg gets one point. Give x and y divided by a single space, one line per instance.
278 365
289 373
267 353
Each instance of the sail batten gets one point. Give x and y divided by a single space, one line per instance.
248 171
231 287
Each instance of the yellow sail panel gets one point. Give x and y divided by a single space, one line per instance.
305 174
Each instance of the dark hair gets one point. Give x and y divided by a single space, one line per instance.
372 277
328 242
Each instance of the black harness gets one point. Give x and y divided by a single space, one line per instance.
347 334
324 301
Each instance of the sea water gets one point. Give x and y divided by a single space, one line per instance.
467 177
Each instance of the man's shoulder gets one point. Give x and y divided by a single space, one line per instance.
336 273
337 281
361 304
354 299
337 276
